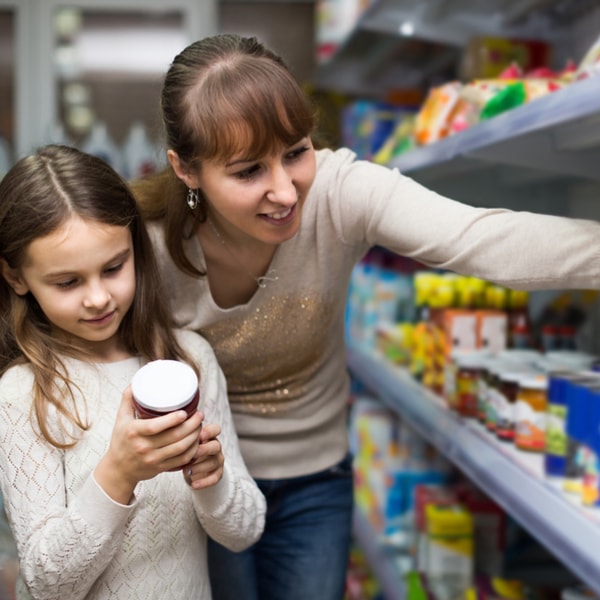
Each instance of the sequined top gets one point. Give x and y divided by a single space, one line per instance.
283 351
73 540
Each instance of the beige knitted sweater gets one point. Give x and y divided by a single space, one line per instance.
283 352
74 541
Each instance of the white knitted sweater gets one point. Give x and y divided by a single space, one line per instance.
74 541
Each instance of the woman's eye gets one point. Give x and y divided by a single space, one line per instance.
297 153
248 173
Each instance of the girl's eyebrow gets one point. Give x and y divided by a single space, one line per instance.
121 255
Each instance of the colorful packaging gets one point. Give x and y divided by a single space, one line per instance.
530 414
488 56
426 494
449 564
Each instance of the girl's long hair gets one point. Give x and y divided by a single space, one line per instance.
222 95
39 194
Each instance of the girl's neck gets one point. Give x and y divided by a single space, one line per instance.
111 357
109 351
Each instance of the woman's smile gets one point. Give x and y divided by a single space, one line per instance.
282 217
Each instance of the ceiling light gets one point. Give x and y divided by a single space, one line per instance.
407 28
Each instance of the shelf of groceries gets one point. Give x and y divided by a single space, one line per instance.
558 133
515 479
517 120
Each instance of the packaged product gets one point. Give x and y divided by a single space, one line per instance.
450 549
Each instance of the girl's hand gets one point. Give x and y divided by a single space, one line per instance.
207 467
140 449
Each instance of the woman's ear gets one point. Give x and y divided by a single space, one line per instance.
13 278
182 171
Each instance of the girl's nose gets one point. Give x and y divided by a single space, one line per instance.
97 296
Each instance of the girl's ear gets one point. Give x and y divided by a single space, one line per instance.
13 278
182 171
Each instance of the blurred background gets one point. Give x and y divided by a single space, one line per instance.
89 71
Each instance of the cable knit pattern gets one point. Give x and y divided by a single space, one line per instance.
74 541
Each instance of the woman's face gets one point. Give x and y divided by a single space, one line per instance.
260 197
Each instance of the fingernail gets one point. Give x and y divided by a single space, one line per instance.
189 472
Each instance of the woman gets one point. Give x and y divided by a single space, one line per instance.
257 234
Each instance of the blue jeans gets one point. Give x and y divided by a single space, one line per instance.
303 552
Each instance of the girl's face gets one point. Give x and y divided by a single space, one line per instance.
260 197
82 276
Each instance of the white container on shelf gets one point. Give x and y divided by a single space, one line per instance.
100 144
140 156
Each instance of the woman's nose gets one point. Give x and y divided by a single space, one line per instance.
282 189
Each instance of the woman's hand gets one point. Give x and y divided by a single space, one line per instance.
140 449
207 467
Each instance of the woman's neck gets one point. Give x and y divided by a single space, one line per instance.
235 273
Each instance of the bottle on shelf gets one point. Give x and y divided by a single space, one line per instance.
140 156
100 144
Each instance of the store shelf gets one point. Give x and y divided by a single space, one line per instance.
381 53
558 133
515 480
529 151
382 563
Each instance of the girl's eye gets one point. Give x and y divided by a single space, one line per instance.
63 285
114 268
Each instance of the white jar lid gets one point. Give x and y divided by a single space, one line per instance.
536 382
164 385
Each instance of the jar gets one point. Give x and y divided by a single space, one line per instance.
485 380
163 386
468 373
492 392
508 388
530 414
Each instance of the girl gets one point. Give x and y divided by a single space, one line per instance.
94 508
258 233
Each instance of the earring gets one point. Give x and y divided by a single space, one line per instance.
192 198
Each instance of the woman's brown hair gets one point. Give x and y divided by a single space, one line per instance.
222 95
39 194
